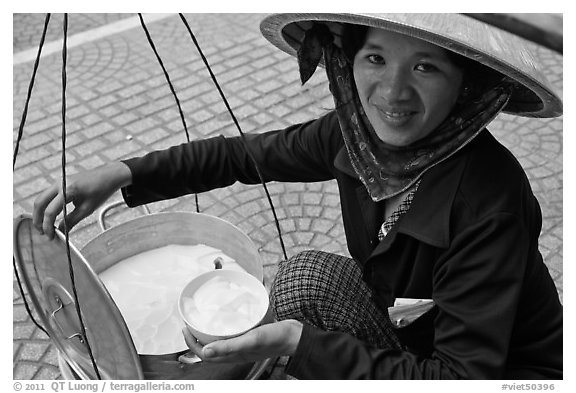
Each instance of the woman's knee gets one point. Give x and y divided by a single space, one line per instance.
304 271
305 282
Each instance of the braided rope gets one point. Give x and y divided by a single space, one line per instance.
149 37
66 233
15 155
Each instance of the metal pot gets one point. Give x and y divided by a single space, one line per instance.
44 269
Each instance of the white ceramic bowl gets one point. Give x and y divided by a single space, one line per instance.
222 304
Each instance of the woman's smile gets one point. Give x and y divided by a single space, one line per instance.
396 118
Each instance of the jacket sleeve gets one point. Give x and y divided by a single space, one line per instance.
476 287
300 153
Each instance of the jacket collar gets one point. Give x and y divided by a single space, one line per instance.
428 219
342 163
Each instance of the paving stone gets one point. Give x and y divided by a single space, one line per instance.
48 372
235 73
177 137
109 87
33 141
23 331
322 225
97 130
312 198
121 150
131 90
297 118
134 102
32 187
152 136
26 173
91 162
124 118
90 147
262 119
91 118
71 141
25 371
201 115
77 112
279 110
269 86
32 351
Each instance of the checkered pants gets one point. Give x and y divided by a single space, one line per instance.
327 291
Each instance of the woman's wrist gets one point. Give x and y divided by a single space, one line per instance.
295 332
122 174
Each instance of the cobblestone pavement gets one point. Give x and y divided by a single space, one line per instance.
119 105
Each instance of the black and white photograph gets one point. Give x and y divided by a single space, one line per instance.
205 196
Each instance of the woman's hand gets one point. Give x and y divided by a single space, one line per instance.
265 341
87 191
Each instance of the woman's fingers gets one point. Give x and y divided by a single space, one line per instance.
40 205
224 351
49 214
250 346
190 340
218 351
74 217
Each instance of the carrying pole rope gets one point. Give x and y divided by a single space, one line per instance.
66 233
29 94
15 155
22 293
171 89
242 135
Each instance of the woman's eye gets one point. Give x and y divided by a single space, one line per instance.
425 67
375 59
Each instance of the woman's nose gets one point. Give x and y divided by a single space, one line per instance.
395 86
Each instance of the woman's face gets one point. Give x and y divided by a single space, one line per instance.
407 86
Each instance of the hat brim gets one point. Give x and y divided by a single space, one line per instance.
533 95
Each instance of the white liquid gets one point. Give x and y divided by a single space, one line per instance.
146 287
221 307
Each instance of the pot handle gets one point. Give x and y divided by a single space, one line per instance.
107 208
67 326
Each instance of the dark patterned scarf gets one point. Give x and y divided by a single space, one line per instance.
384 169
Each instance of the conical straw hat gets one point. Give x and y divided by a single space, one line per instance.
533 96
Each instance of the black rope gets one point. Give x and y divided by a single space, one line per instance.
242 135
30 86
19 138
66 233
20 287
171 87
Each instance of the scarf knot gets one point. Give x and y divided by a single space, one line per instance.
310 52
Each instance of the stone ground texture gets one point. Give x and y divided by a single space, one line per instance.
119 105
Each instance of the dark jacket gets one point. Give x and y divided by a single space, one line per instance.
469 242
